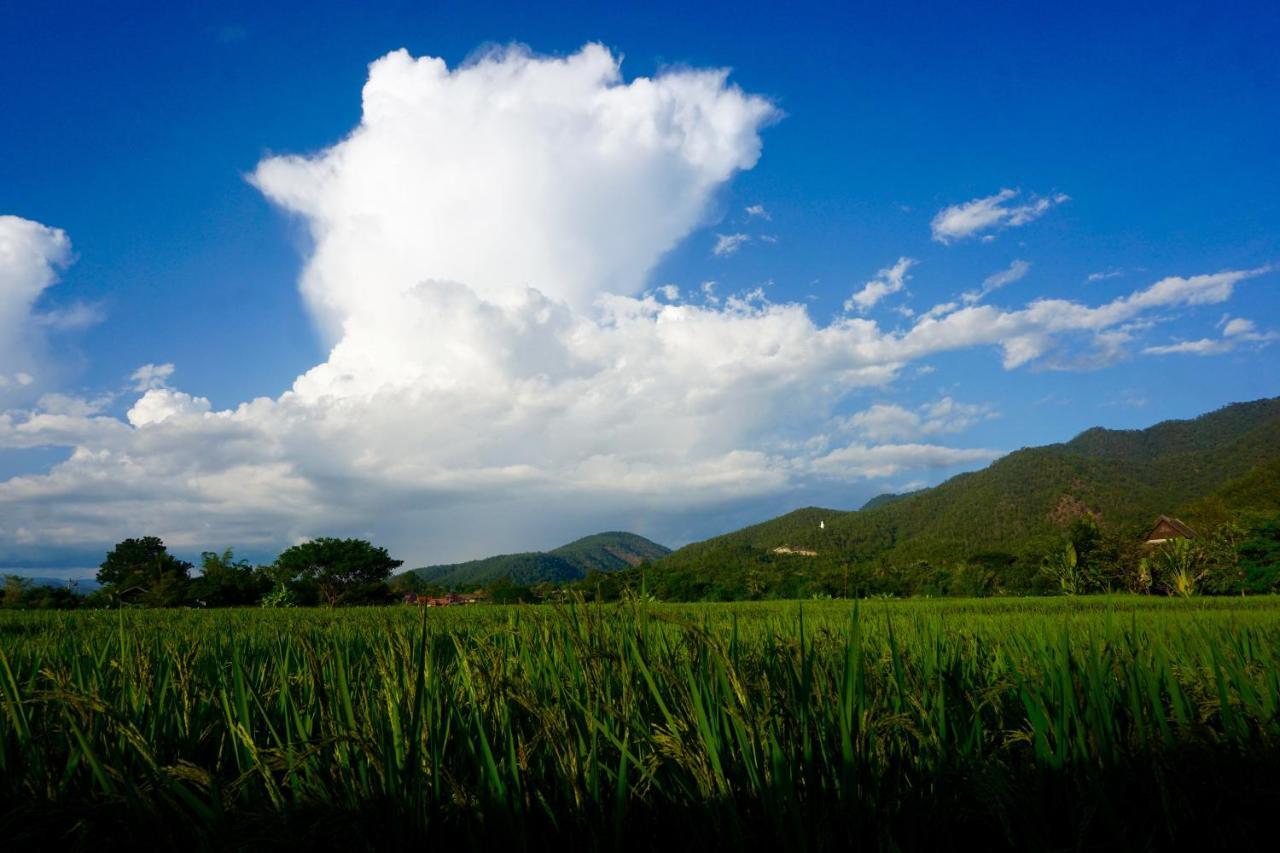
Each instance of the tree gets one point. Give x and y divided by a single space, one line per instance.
1260 557
143 571
348 571
225 581
15 590
1182 567
1064 567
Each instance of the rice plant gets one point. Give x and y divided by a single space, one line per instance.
1047 723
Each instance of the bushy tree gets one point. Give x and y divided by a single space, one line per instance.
1259 553
341 571
225 581
1180 567
142 571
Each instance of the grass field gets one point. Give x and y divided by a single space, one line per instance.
1046 723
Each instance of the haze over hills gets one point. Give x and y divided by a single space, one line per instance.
1225 461
605 552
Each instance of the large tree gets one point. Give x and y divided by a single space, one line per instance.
143 571
343 571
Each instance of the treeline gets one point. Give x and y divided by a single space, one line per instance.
142 573
323 572
1230 558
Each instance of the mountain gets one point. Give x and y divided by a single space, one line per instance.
604 552
1203 469
82 586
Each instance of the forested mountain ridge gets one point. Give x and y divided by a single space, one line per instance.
603 552
1223 462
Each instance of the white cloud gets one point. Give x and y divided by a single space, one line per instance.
494 381
1016 271
1236 332
887 281
1204 346
861 461
1103 276
151 376
757 211
993 212
1239 327
727 244
30 256
890 422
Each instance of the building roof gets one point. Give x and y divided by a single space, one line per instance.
1173 524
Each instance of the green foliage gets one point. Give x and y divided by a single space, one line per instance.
950 724
342 571
506 591
25 594
1259 555
225 581
142 571
278 596
1180 567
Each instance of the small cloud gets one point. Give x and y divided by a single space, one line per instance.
669 292
887 281
1236 332
151 376
969 219
1239 327
1102 276
727 244
768 238
939 310
890 422
73 318
757 211
995 281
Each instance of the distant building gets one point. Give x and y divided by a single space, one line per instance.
799 552
1167 528
449 600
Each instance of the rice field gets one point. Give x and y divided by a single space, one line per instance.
1116 723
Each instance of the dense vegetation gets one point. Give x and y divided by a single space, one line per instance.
1131 723
989 531
602 552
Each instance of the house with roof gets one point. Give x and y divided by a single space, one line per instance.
1166 529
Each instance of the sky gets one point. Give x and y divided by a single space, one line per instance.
467 280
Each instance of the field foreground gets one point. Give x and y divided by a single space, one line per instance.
1050 723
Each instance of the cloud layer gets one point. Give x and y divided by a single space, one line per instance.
498 375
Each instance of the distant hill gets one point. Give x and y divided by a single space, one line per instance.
1227 461
83 586
605 552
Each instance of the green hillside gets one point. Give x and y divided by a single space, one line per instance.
604 552
1226 463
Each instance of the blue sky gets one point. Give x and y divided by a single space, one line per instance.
1149 135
